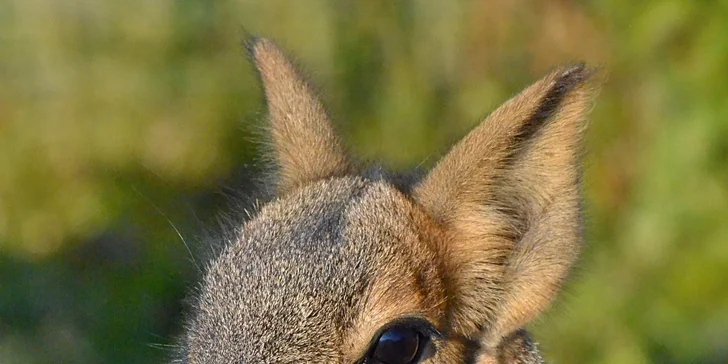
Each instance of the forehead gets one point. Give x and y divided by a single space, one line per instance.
296 281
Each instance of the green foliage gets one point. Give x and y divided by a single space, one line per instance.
124 123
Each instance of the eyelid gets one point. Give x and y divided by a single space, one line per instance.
416 322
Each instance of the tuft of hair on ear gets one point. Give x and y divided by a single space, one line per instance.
305 147
508 196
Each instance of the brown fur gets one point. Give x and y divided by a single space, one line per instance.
476 249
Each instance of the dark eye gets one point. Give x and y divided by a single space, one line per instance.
398 345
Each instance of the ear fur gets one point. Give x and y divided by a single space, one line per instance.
508 196
305 145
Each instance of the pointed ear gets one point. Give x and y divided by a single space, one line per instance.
305 145
508 196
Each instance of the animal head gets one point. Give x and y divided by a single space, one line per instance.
347 266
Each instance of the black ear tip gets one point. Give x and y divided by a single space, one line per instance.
575 68
574 74
249 41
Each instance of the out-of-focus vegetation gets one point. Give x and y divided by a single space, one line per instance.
122 122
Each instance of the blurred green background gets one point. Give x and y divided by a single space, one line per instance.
123 122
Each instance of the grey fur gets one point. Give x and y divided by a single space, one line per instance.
295 278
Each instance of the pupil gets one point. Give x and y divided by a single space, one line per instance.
398 345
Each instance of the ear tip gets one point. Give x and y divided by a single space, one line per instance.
581 72
580 76
258 47
577 67
248 39
574 74
252 43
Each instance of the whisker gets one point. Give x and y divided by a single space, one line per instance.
423 161
163 346
187 204
184 242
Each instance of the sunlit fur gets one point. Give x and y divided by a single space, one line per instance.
477 247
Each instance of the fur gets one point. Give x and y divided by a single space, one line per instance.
477 247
